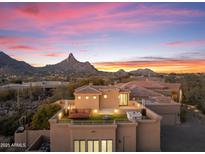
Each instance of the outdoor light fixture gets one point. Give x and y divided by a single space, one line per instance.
60 115
95 111
105 96
116 110
79 97
86 97
94 97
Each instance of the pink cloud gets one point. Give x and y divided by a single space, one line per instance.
90 18
53 55
186 43
22 47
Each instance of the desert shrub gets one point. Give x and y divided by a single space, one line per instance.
9 125
43 114
7 94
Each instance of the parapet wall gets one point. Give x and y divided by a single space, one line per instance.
29 136
169 112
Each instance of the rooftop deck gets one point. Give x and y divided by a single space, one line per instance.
104 116
96 119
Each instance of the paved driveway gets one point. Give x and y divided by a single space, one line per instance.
189 136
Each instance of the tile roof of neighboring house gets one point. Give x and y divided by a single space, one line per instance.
142 89
87 89
150 84
97 89
142 92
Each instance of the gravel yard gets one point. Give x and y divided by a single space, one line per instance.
187 137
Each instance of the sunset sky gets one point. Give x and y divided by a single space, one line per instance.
165 37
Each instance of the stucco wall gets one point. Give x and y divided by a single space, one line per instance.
148 135
126 137
29 136
63 135
59 137
169 112
95 132
112 100
87 103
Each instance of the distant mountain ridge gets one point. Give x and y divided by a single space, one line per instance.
70 65
13 66
145 71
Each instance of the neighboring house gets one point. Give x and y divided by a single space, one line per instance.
107 127
161 97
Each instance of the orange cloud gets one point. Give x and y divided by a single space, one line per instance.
168 66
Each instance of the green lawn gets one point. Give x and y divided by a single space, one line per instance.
96 118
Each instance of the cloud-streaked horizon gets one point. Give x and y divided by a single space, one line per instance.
166 37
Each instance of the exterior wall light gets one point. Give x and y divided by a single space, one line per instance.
95 111
60 115
79 97
94 97
116 110
86 97
105 96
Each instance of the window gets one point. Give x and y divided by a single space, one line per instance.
87 97
96 146
93 146
79 146
103 146
82 146
105 96
76 146
90 146
94 97
106 146
123 99
109 145
79 97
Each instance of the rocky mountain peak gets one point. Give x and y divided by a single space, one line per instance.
71 58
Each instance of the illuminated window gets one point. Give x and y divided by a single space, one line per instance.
96 146
103 146
94 97
76 146
87 97
105 96
82 146
109 145
123 99
106 145
93 146
79 97
90 146
79 146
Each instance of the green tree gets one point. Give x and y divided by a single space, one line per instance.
9 125
43 114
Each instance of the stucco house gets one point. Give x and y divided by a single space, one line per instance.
98 119
106 127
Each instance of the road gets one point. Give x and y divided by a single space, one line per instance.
186 137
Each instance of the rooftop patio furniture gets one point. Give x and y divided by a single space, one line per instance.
79 113
134 116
